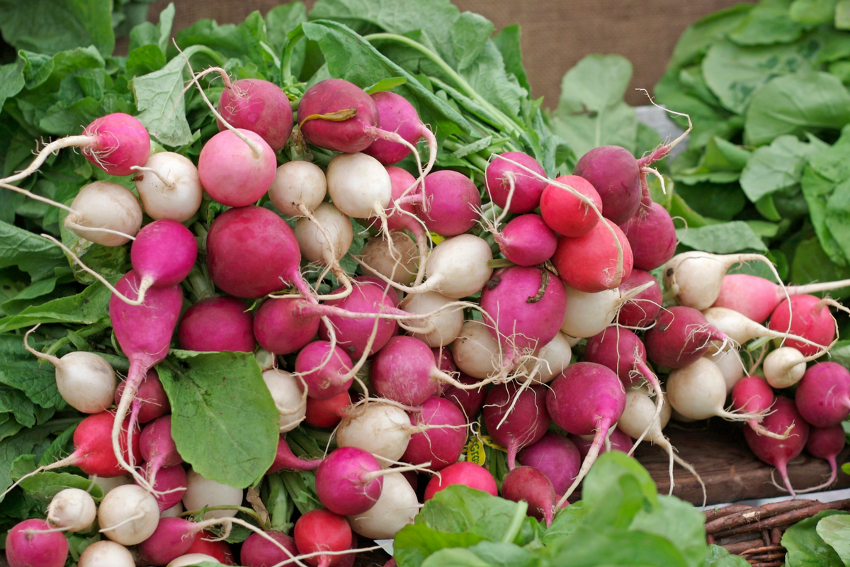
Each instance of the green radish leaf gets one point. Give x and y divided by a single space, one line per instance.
842 15
769 22
724 238
508 43
719 557
811 264
680 523
484 554
469 35
28 252
16 402
44 486
777 166
223 421
23 371
700 35
386 85
720 162
813 11
60 447
31 441
50 26
87 307
566 522
818 191
614 547
835 530
805 547
416 542
11 80
720 201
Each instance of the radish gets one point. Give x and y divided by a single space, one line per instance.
515 416
396 507
325 238
397 263
526 240
169 187
256 551
476 352
527 484
106 553
207 545
72 510
754 396
289 397
326 413
325 369
757 297
698 391
144 334
695 278
465 473
379 428
556 457
158 448
652 237
681 336
250 169
205 493
128 515
85 380
588 314
171 539
587 398
151 395
778 452
108 483
785 366
105 213
641 309
298 188
169 486
281 329
217 324
823 395
285 459
596 261
548 362
32 543
730 364
616 175
397 115
359 185
469 401
162 255
192 559
441 446
617 440
355 319
349 481
438 330
805 316
505 180
741 329
259 106
174 511
825 443
565 212
449 204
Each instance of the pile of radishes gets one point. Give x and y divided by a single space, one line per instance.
441 334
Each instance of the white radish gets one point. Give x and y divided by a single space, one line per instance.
400 264
289 398
438 330
786 366
588 314
202 492
192 559
730 364
105 213
359 185
476 352
396 507
313 241
172 512
106 553
698 391
298 186
169 187
378 428
548 362
741 329
128 515
111 483
72 510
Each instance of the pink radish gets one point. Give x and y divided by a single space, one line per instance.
823 395
618 440
128 515
741 329
105 213
285 459
465 473
397 115
778 452
564 212
443 445
754 396
171 539
320 530
349 481
353 333
218 550
515 416
259 106
450 203
326 413
217 324
469 401
556 457
257 551
324 368
698 391
169 187
250 169
806 316
163 254
281 329
32 543
652 236
527 484
169 486
526 240
596 261
158 448
151 395
587 398
680 336
641 309
825 443
505 181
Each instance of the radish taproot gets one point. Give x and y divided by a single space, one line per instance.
515 416
778 452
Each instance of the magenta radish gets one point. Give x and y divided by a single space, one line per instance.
469 401
85 380
320 530
681 335
72 510
778 452
596 261
507 177
349 481
475 350
202 493
106 553
465 473
169 187
105 213
252 252
618 440
395 509
437 330
527 484
806 316
398 263
285 459
556 457
397 115
442 445
450 203
298 188
144 334
753 395
515 416
354 332
741 329
326 413
172 538
257 551
33 543
823 395
698 391
162 255
169 485
151 395
526 240
287 392
825 443
641 309
548 362
565 212
378 428
281 329
259 106
217 324
250 169
586 399
325 369
588 314
158 448
616 175
652 236
128 515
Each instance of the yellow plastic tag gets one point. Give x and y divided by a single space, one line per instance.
435 238
475 452
487 440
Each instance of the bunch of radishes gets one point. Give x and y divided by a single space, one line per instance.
441 336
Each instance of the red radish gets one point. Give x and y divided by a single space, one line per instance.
465 473
163 254
397 115
257 551
565 212
169 486
556 457
281 329
285 459
652 236
396 508
442 445
259 106
349 481
754 396
588 314
158 448
202 493
532 486
587 398
320 530
72 510
641 309
823 395
128 515
326 413
526 240
596 261
503 173
218 550
106 553
151 395
252 252
144 334
450 203
105 213
250 169
809 317
616 175
469 401
698 391
515 416
169 187
171 539
778 452
298 188
825 443
325 369
618 440
680 336
741 329
32 543
217 324
757 297
437 330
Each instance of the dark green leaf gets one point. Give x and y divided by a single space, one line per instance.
723 238
483 555
714 200
60 447
680 523
415 542
699 36
50 26
811 264
566 522
818 190
610 467
16 402
85 308
44 486
281 20
508 42
145 59
805 547
23 371
842 15
813 11
28 442
720 162
768 23
11 80
613 547
777 166
469 34
29 252
386 85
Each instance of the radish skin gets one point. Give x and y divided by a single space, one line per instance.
128 515
169 187
106 553
698 391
